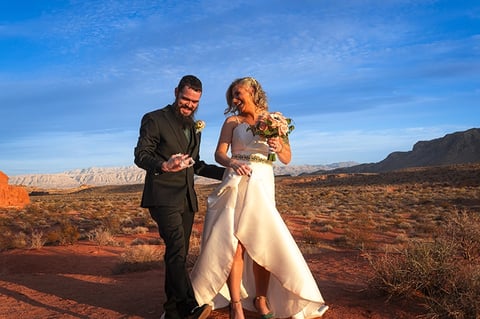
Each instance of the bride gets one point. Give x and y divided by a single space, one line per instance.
248 258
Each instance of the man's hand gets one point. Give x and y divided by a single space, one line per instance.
177 162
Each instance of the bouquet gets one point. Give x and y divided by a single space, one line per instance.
272 125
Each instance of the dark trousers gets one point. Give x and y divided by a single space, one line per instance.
175 227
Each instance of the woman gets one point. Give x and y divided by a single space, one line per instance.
248 256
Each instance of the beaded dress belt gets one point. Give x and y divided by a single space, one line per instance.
252 158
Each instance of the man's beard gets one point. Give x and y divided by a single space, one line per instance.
185 121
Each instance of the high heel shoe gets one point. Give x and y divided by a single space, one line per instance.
231 305
318 313
269 314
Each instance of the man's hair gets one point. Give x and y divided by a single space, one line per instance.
191 81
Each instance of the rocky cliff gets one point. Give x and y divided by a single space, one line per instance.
455 148
12 196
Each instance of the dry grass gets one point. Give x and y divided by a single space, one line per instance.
103 237
139 258
63 217
418 227
37 240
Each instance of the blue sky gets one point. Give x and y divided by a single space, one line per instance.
360 78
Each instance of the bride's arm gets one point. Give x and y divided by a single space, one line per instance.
285 153
224 142
282 148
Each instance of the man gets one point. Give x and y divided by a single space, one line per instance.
168 149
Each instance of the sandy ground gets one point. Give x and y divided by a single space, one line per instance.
79 281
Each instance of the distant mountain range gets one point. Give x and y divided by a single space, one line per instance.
97 176
456 148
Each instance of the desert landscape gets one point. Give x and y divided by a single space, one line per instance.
94 253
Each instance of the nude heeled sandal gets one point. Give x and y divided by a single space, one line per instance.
268 315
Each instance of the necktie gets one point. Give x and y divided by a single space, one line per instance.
188 134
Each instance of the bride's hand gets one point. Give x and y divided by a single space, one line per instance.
240 168
275 144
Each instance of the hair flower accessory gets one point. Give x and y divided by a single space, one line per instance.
199 126
273 124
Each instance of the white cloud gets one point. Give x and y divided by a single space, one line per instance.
355 76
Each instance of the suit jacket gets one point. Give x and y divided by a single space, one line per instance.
161 136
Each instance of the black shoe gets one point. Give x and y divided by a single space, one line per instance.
200 312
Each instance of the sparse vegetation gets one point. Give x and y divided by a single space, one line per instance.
443 272
139 258
419 229
66 217
37 240
103 237
426 220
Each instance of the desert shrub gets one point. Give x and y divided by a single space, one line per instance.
10 239
139 258
102 237
459 297
113 223
309 215
326 228
443 272
341 241
37 240
464 229
402 225
5 238
135 230
417 268
141 254
138 241
52 237
19 240
360 231
68 233
401 238
64 233
147 241
425 229
34 209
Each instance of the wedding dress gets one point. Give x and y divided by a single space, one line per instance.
242 208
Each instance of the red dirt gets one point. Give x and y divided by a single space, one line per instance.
79 281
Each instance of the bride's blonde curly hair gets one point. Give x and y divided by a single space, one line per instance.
259 95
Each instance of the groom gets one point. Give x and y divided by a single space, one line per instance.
168 149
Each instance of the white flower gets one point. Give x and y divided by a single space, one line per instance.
199 126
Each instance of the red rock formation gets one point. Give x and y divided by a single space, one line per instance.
12 196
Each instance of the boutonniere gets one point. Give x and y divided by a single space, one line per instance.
199 126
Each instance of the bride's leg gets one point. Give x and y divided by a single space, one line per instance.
233 282
262 278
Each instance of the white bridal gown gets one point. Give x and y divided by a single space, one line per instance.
243 209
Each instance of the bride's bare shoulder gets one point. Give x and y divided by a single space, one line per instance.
233 119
